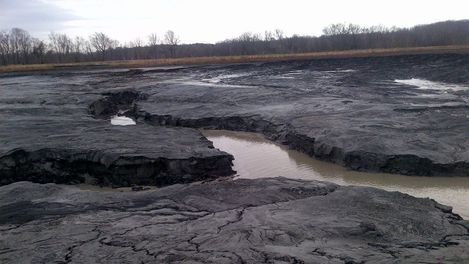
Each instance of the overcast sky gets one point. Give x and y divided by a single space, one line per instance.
210 21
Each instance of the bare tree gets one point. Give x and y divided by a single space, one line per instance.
39 50
245 41
114 49
101 42
171 40
269 42
344 36
25 42
20 42
137 46
79 44
334 29
5 48
14 46
377 29
268 36
138 42
88 50
61 44
250 43
342 29
153 41
78 48
279 35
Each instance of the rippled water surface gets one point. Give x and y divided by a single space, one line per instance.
256 157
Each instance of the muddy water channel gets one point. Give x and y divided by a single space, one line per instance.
257 157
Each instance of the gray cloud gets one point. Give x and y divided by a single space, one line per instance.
35 16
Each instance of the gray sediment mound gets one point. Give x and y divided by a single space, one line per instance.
273 220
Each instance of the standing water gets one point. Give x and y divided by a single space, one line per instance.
256 157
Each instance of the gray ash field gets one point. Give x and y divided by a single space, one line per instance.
395 114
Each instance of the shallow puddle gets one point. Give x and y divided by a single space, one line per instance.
256 157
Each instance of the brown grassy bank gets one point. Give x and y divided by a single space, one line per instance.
236 59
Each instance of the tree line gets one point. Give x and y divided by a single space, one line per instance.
17 46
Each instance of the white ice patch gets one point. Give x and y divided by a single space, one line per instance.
122 121
222 77
429 85
297 72
290 74
342 71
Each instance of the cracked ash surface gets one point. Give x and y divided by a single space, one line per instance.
55 128
246 221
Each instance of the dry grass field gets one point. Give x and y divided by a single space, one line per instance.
236 59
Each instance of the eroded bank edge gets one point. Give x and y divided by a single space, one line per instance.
59 166
105 168
286 134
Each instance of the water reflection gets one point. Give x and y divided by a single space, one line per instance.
256 157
